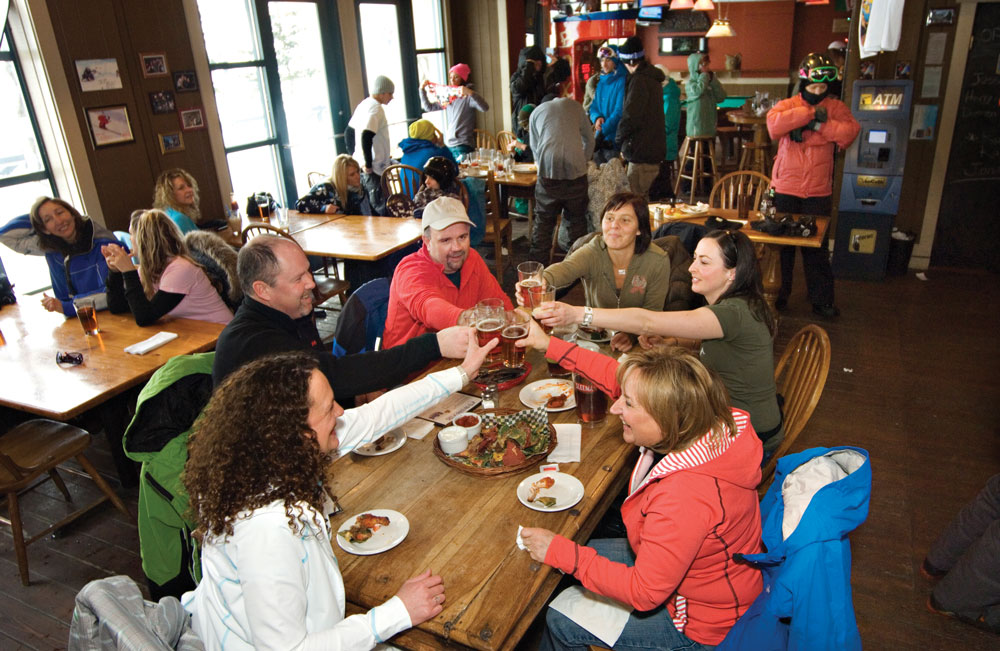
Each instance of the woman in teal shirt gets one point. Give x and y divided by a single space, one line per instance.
176 193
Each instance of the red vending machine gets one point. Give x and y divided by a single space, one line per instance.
577 38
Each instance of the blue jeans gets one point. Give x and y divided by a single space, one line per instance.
458 150
647 630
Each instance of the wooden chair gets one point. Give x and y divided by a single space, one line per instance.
504 138
498 228
485 139
34 449
312 178
401 179
800 377
726 193
327 286
399 205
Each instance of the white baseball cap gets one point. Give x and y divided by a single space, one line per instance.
443 212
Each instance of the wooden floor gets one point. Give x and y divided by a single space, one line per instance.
915 380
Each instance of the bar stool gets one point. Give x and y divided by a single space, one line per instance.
730 147
756 157
704 147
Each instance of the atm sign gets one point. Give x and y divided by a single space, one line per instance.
872 181
885 101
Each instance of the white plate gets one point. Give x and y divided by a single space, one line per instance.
524 168
382 540
688 209
567 490
394 439
598 336
537 393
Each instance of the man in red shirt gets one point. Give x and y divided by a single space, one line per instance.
432 287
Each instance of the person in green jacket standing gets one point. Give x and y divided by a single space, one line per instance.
671 111
704 92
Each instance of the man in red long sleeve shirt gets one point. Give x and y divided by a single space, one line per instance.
432 287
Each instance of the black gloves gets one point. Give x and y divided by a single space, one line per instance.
820 114
795 135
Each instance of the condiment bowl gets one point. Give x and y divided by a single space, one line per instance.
471 428
452 439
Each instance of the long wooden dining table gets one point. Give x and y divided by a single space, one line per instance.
358 237
464 528
770 250
33 382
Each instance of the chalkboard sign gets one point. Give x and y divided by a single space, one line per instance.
968 231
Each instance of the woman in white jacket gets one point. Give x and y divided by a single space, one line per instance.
258 460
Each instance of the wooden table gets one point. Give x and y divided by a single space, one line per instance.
464 528
296 222
770 258
357 237
34 383
760 160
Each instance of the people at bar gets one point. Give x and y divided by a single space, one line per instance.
606 110
423 144
371 139
641 133
176 194
703 94
340 193
167 282
460 111
434 286
72 245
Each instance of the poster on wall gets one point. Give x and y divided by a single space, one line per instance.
162 101
170 142
185 81
192 119
109 125
98 74
924 119
154 64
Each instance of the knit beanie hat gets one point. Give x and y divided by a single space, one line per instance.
460 69
524 115
632 50
383 85
422 130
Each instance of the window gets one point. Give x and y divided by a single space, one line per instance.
275 91
24 169
428 33
383 55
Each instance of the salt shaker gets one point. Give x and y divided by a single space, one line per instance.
491 396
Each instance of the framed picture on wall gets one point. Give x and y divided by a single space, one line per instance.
185 81
154 64
192 119
98 74
162 101
109 125
170 142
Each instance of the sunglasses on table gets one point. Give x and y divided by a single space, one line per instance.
821 74
74 359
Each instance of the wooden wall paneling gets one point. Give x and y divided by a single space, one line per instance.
476 35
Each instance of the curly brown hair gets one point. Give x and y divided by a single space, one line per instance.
252 445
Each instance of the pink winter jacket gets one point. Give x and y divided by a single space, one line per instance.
805 169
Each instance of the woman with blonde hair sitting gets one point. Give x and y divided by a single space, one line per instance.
176 194
167 282
341 193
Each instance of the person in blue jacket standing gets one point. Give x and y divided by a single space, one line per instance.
609 100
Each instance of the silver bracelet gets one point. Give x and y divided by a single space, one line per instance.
465 375
588 316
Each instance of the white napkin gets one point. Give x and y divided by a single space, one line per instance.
417 428
568 448
602 616
152 343
519 540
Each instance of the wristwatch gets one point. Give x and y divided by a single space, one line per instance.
588 316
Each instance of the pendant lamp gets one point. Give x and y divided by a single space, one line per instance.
720 26
703 5
681 4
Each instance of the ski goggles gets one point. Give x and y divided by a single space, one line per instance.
605 53
820 74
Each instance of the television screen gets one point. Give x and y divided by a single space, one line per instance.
650 14
682 45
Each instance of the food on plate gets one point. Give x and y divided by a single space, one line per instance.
540 485
556 401
547 502
505 445
383 442
364 526
467 421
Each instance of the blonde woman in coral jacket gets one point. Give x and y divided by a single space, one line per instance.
807 127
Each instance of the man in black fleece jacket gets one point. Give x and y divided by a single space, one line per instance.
276 316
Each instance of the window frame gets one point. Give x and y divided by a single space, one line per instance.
408 51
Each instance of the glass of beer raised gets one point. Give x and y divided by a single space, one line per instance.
490 319
87 313
516 327
591 403
529 274
537 296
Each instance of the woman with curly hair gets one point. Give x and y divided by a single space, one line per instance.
736 328
72 245
341 193
256 475
176 194
167 282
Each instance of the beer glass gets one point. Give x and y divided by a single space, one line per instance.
264 207
516 327
489 325
591 403
541 294
87 313
529 274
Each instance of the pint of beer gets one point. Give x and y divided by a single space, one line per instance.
490 321
516 327
88 316
591 403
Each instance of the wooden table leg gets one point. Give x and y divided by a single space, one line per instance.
770 269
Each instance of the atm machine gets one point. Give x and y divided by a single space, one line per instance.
577 38
873 178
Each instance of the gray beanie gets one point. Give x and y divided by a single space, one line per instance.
383 85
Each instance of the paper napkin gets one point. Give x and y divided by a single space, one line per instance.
152 343
568 447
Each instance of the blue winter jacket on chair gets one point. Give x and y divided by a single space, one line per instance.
806 602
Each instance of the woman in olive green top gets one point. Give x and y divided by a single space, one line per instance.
736 328
620 267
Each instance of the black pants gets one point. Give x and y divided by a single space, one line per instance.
553 196
816 262
372 185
